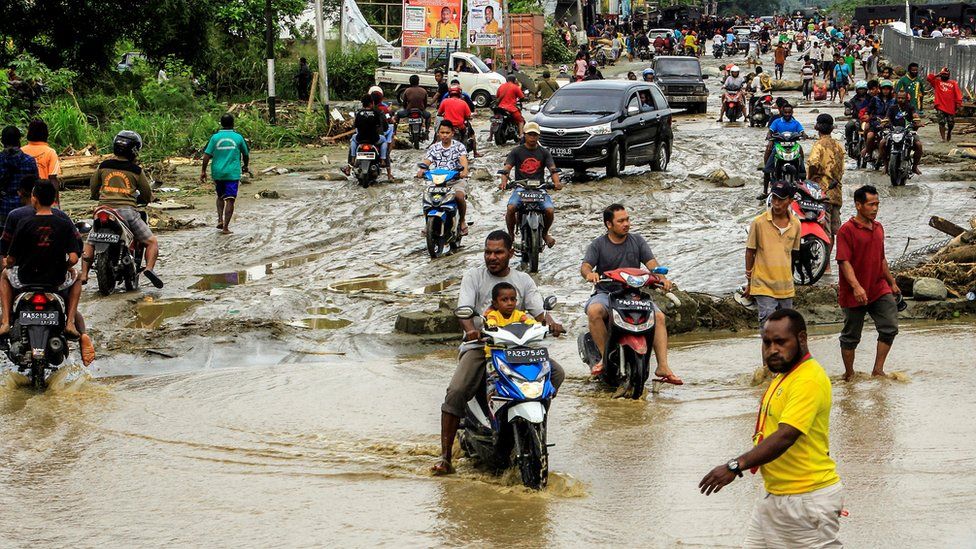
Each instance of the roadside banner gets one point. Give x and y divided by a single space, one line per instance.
485 25
432 23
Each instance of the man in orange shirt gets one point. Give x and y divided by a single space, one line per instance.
48 163
507 94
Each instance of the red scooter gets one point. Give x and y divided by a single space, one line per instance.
733 104
810 206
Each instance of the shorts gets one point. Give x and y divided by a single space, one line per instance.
469 377
133 218
516 199
517 116
884 313
779 66
798 520
603 299
768 305
226 189
945 119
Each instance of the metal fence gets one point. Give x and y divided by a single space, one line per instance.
931 54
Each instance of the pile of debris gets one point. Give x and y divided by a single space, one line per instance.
950 271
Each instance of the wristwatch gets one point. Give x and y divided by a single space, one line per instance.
733 466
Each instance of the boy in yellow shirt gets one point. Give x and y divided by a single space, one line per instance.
502 311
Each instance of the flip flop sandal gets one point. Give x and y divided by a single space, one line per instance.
670 378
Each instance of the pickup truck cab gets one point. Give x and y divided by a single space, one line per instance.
680 78
477 80
607 123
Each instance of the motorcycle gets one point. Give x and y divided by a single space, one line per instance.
440 211
503 126
644 53
762 110
36 342
788 154
529 221
418 131
717 50
367 166
626 365
901 161
468 137
810 206
733 104
118 255
505 424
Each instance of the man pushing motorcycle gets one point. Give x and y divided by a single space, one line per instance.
122 184
619 249
476 288
530 162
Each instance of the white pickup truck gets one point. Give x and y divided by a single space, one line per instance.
477 80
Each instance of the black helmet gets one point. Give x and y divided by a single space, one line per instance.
127 144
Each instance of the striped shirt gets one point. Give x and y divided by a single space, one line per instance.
772 272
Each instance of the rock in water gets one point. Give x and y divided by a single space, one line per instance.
481 174
441 321
718 177
929 289
735 182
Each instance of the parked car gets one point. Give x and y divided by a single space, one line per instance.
128 60
681 80
607 123
475 77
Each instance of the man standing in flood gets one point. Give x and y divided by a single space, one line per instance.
804 496
866 284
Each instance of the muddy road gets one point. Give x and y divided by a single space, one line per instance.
263 398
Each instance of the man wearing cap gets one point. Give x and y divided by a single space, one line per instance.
825 166
948 98
774 237
530 162
866 284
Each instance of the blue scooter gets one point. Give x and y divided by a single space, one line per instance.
441 211
505 424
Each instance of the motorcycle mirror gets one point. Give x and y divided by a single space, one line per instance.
661 270
534 109
549 303
633 111
464 313
83 227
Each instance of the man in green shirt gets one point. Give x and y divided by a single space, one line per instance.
230 158
911 84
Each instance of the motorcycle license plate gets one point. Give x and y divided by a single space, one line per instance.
438 190
525 356
365 156
561 151
532 196
496 120
416 121
810 205
634 305
103 238
39 318
681 99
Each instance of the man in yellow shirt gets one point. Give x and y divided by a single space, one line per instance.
774 237
804 496
445 27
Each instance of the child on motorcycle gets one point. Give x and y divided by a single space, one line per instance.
502 312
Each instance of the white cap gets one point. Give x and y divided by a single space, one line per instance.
375 89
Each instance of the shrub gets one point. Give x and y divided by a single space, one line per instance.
67 125
554 50
352 72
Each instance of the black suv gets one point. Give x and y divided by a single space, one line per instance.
607 123
682 82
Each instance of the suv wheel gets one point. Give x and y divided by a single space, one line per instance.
481 99
662 156
615 160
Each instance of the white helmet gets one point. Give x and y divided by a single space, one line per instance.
734 68
376 89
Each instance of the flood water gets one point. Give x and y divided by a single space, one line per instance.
262 398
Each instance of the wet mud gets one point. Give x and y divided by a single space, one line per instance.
266 382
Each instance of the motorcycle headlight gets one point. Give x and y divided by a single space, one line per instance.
897 137
602 129
531 389
438 179
619 321
510 372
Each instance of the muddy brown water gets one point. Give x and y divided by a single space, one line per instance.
321 432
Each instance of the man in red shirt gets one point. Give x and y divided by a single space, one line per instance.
948 98
507 94
866 284
456 110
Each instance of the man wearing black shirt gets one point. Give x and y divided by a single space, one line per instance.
531 161
43 248
370 127
901 114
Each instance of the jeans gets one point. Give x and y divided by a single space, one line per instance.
383 144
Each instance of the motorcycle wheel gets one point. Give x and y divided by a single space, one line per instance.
103 271
500 133
37 375
416 142
534 242
531 454
638 374
131 279
818 255
894 171
432 241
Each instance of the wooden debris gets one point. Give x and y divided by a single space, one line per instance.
945 226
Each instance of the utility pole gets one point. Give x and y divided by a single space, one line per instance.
320 48
342 26
508 36
908 19
270 36
579 17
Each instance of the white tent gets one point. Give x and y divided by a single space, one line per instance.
356 29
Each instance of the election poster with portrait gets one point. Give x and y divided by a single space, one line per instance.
432 23
485 25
